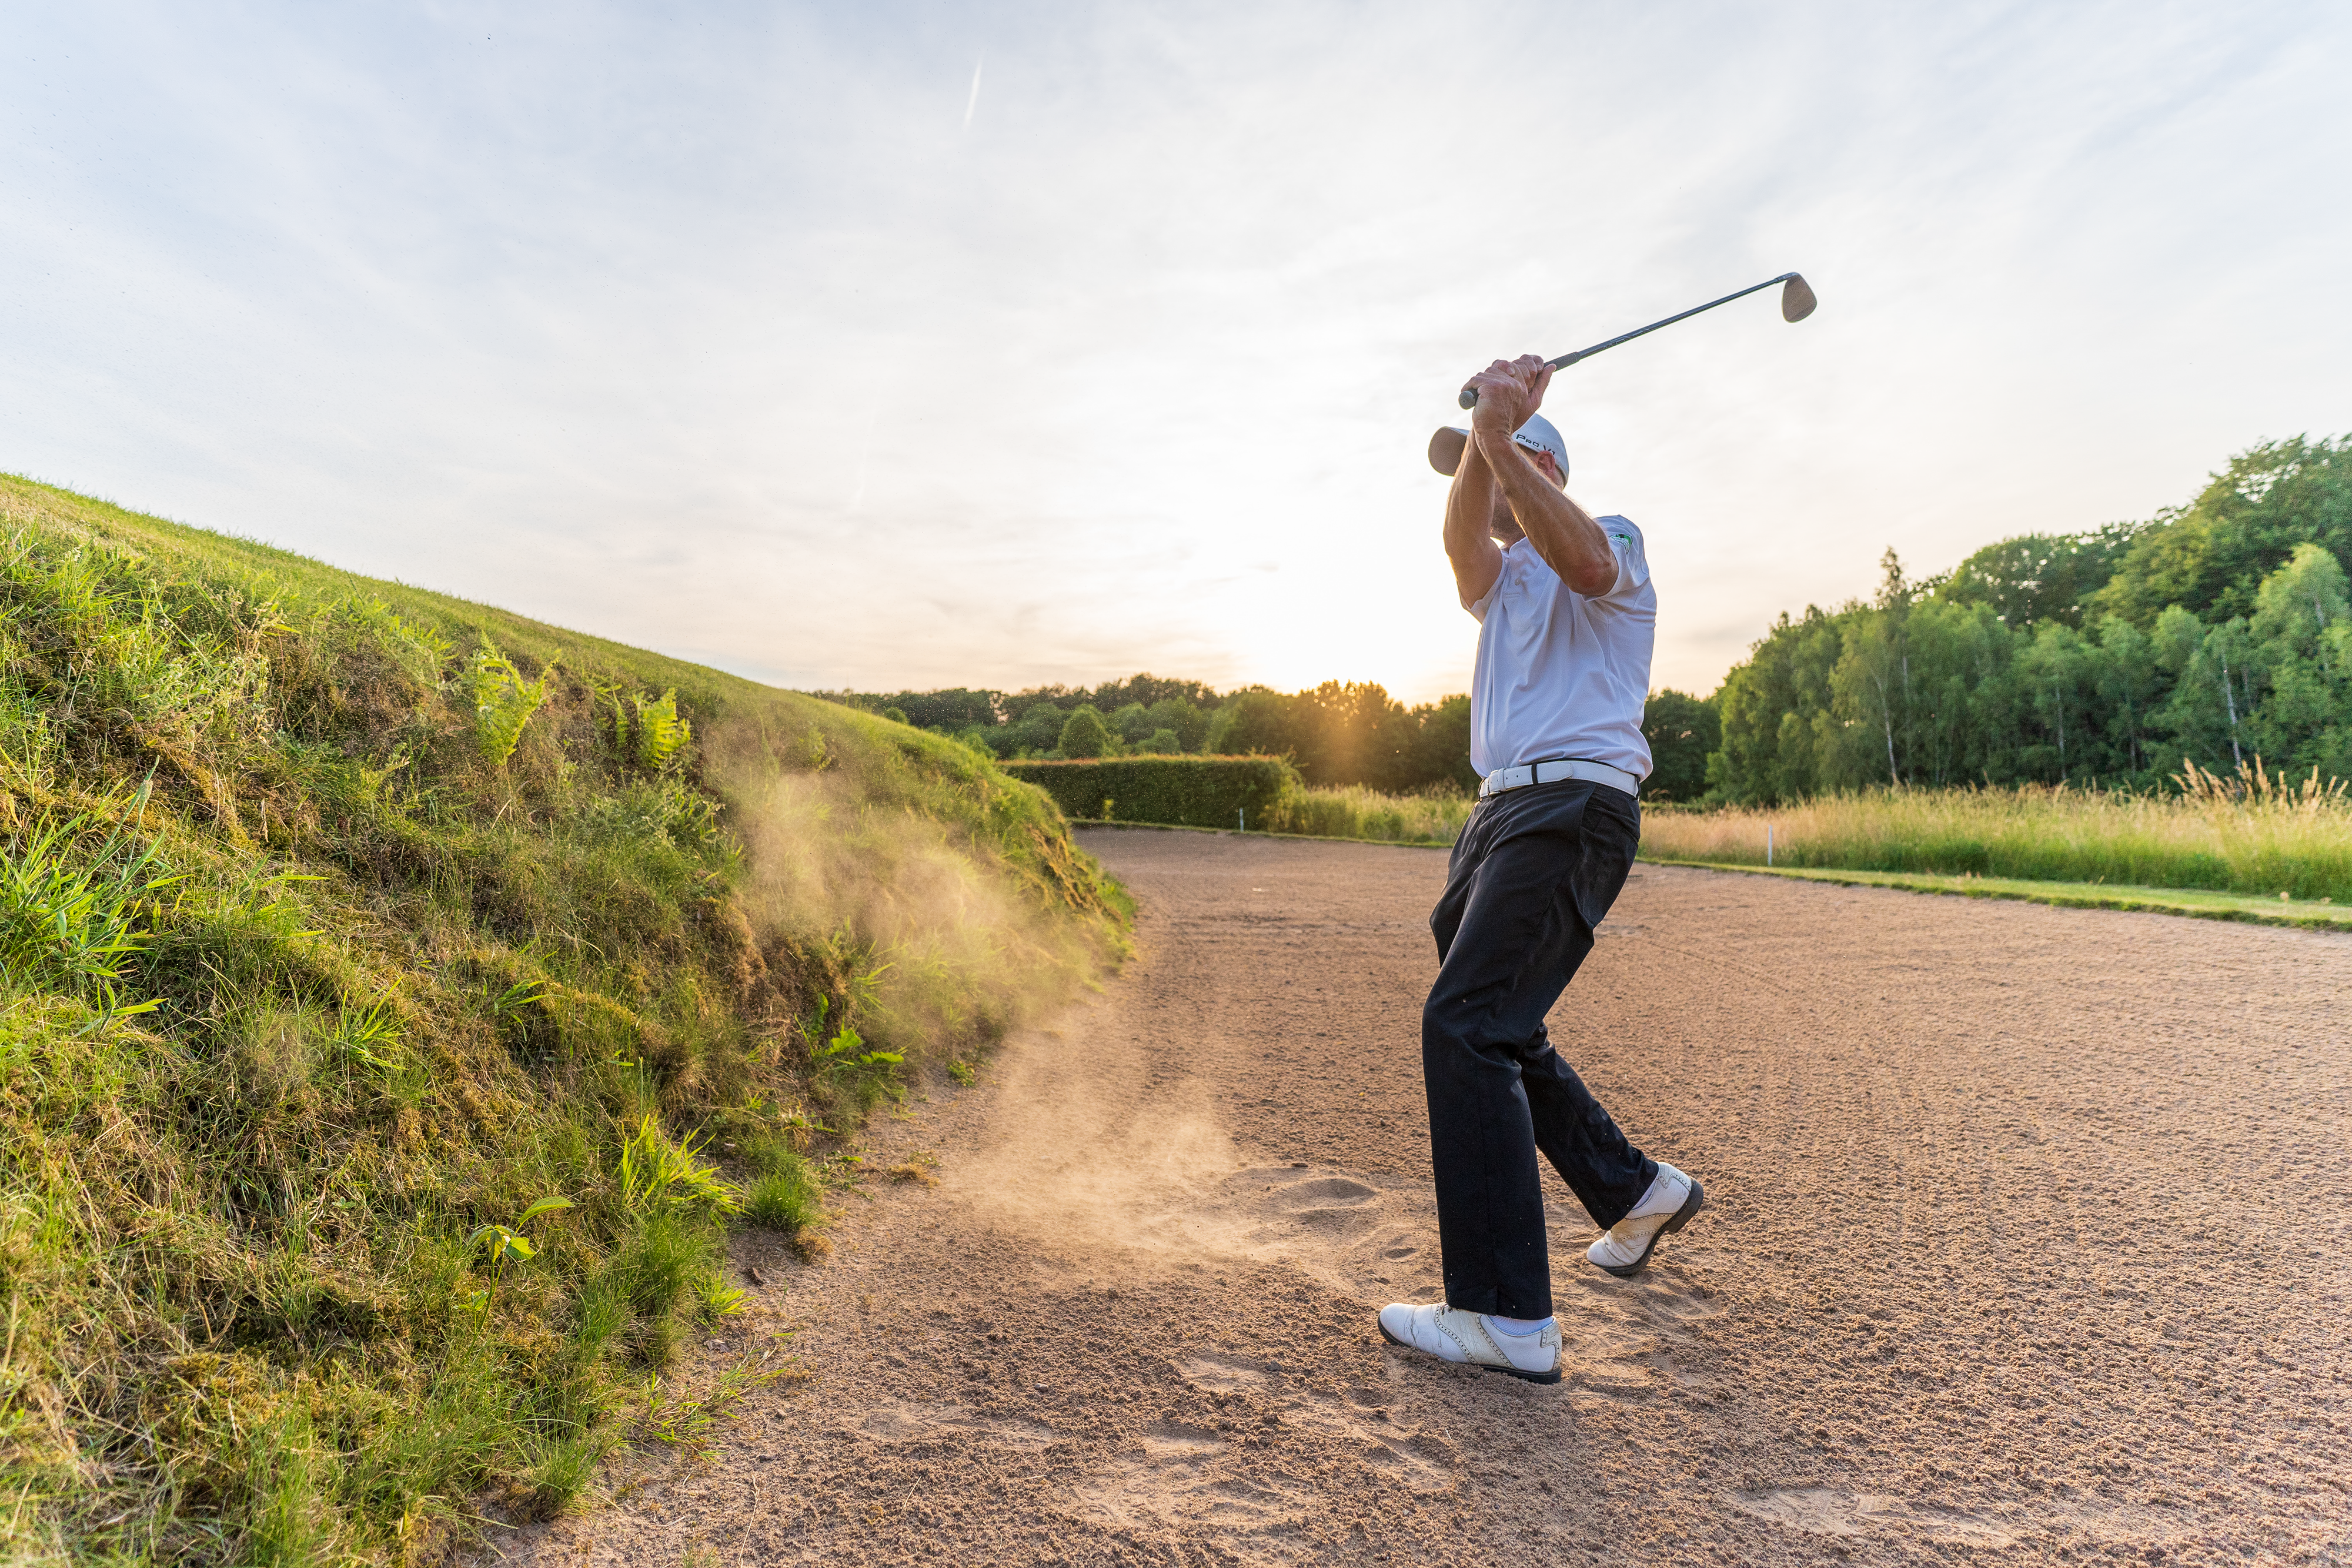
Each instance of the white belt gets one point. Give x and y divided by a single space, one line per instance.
1504 779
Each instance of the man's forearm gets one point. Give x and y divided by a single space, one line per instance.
1562 532
1469 506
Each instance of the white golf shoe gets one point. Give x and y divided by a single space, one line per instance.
1666 1208
1467 1337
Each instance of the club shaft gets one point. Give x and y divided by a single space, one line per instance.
1470 398
1565 361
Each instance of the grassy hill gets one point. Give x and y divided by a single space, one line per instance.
344 925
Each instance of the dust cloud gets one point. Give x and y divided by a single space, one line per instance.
1085 1162
929 938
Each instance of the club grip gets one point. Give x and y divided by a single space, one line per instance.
1469 398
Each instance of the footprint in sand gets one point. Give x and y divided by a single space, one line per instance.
1627 1341
1251 1490
1360 1415
1187 1476
1352 1232
1174 1440
1331 1207
2108 1528
1221 1373
1827 1510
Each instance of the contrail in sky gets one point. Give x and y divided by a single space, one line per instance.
974 102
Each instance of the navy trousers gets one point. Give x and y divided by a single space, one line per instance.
1531 875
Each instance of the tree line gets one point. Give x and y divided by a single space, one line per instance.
2214 633
1341 732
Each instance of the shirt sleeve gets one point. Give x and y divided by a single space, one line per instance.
1633 564
1478 607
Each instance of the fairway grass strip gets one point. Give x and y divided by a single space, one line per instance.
2067 894
1090 824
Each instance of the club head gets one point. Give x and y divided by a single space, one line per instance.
1445 450
1796 300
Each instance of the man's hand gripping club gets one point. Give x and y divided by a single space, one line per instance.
1502 492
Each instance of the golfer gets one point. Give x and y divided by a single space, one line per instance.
1566 619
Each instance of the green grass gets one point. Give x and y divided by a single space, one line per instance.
2069 895
2254 836
1253 833
342 925
1353 811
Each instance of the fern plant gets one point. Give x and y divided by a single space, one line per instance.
661 732
645 730
610 694
503 700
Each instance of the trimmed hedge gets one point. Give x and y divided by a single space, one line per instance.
1183 791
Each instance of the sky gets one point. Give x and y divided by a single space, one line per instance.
903 346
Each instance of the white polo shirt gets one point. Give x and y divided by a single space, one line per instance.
1559 674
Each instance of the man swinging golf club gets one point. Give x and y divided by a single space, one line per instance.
1567 616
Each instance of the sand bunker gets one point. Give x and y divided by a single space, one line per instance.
2025 1243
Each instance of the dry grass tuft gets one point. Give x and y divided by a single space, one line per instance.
922 1169
1354 811
2254 833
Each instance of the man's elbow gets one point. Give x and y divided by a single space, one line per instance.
1593 581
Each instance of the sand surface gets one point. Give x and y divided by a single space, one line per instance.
2027 1243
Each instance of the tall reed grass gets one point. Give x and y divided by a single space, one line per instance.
2254 833
1353 811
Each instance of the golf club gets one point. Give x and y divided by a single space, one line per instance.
1796 302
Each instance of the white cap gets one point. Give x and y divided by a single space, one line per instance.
1536 435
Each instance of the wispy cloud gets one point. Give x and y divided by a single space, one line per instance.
715 336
